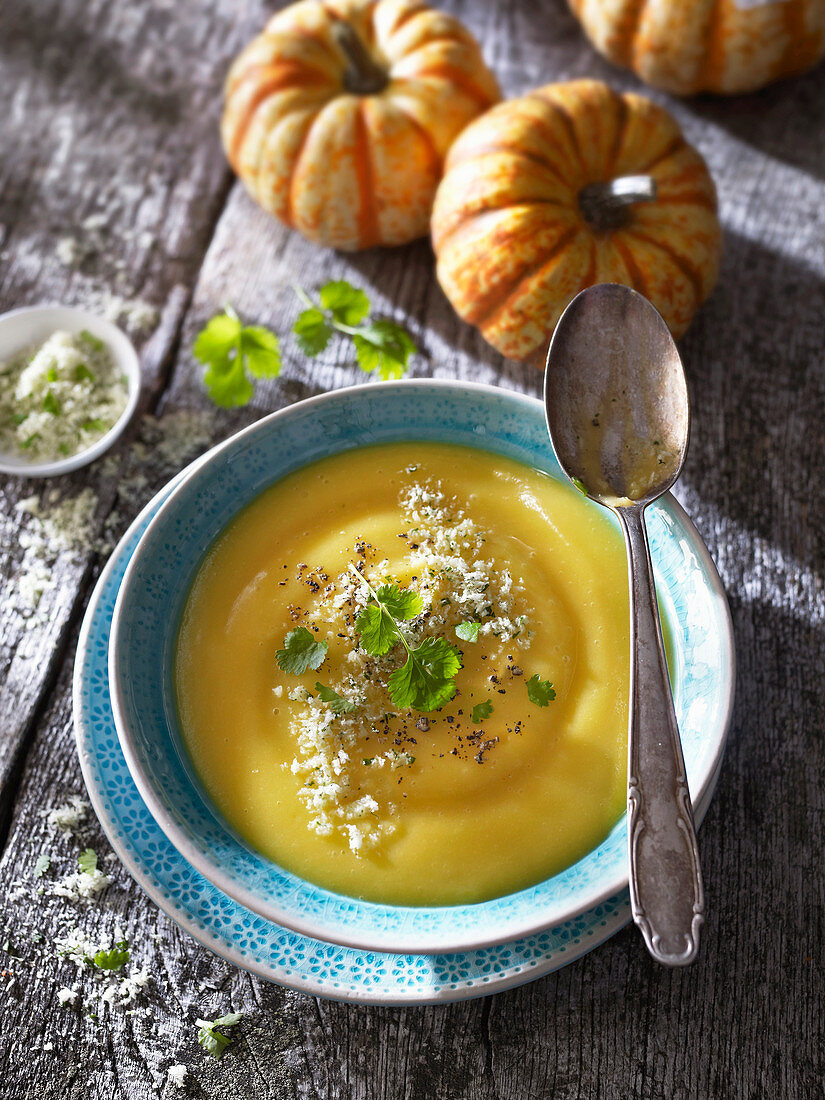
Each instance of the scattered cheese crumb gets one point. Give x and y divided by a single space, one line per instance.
68 817
69 251
66 996
82 885
132 985
177 1074
56 527
137 316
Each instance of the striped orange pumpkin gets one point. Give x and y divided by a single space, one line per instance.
688 46
338 116
525 216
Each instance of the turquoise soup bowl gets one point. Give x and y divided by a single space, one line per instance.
156 585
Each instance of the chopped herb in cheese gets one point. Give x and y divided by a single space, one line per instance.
59 398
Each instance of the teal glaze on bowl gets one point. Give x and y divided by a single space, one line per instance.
248 940
155 586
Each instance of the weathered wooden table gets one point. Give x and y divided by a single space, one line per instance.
114 194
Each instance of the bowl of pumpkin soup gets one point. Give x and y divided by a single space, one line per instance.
369 669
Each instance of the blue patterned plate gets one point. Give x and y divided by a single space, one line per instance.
240 936
158 579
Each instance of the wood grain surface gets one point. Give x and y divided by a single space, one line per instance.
113 186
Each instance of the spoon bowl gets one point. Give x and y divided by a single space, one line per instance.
620 430
617 411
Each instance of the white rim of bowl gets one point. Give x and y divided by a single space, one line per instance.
125 356
386 942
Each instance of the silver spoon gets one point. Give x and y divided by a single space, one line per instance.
617 412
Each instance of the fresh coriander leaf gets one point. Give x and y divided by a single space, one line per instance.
385 347
18 418
377 629
87 861
64 448
368 761
215 1042
337 703
51 404
426 682
380 345
312 331
482 711
401 604
346 303
29 441
377 622
93 425
41 865
229 1020
540 692
468 632
228 387
302 650
114 959
218 339
230 350
262 351
51 374
82 373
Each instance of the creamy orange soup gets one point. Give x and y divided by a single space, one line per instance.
489 794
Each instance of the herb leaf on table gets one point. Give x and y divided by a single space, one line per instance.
380 344
114 959
215 1042
232 353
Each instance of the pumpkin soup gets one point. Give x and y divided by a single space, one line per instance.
402 674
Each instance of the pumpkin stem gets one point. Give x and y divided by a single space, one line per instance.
362 75
605 205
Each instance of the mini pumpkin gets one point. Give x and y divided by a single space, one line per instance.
571 185
338 116
713 46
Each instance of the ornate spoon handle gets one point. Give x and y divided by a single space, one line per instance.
666 894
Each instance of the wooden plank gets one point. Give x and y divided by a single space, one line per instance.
111 178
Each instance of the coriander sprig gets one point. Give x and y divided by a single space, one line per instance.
380 344
232 352
426 681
